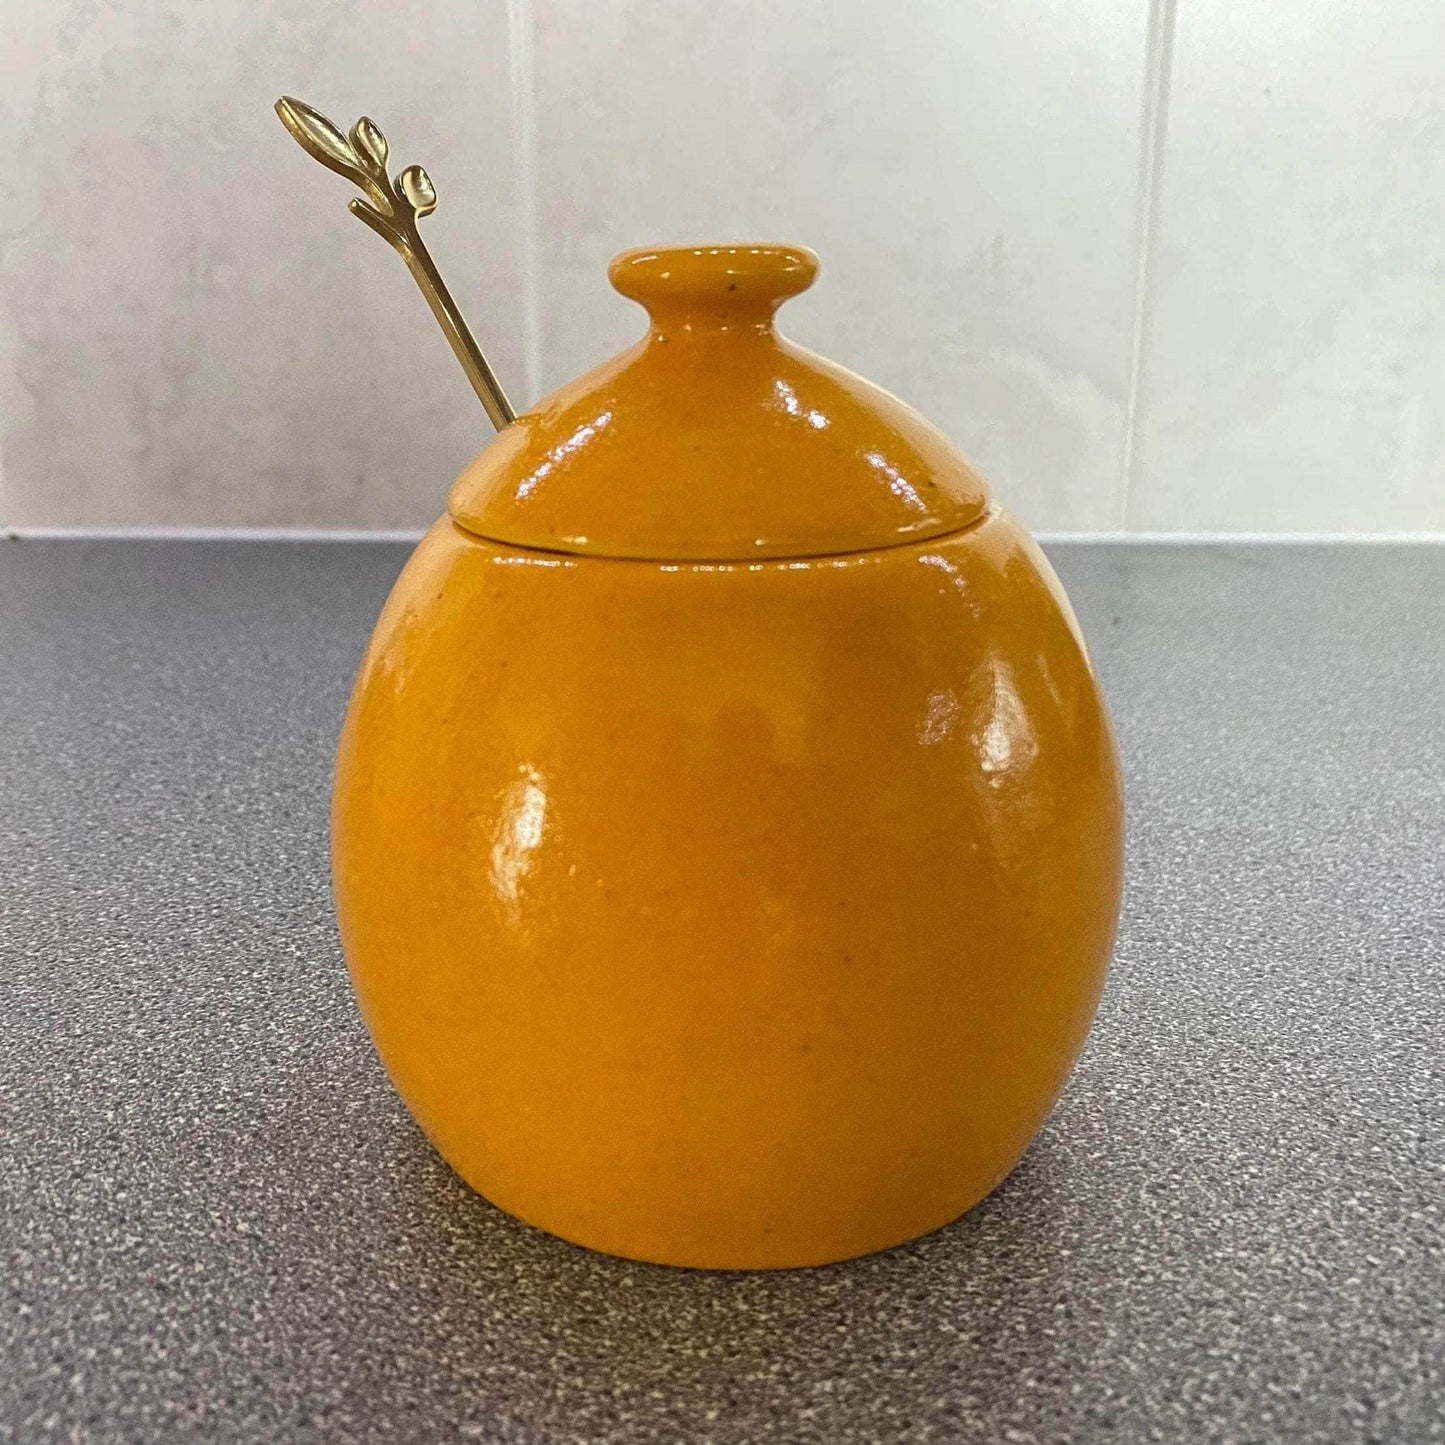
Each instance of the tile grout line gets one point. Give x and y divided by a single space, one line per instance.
1154 122
210 534
1243 539
522 74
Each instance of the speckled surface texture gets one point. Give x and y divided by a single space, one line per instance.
217 1222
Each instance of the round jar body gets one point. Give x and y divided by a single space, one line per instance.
732 915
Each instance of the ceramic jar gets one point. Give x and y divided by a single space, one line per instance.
728 828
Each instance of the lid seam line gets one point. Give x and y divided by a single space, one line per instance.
973 524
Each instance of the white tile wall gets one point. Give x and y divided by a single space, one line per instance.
965 168
192 329
193 332
1294 363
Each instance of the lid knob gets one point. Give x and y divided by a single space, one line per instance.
713 288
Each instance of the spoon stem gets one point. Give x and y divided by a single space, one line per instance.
464 344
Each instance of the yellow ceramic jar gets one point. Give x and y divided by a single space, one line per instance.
728 828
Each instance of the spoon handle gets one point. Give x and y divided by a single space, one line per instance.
392 209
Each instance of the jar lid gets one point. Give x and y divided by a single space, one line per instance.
714 438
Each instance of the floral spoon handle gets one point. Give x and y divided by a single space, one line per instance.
392 211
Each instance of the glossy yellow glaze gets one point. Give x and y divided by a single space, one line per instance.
730 913
716 438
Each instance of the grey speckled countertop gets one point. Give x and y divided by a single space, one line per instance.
217 1222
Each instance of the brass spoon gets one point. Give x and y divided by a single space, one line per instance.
394 208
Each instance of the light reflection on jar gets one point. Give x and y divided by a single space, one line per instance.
1005 744
519 831
938 720
561 452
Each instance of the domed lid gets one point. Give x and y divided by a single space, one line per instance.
714 439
